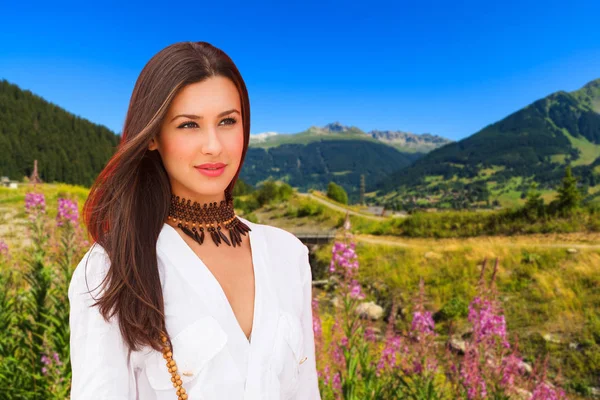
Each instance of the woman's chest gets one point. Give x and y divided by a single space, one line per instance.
213 355
233 273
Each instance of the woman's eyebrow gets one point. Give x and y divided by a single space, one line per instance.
193 116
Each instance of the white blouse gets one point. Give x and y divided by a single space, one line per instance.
214 358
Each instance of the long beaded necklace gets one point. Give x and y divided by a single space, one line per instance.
172 368
212 217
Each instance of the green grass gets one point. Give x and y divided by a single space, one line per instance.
309 136
589 151
543 290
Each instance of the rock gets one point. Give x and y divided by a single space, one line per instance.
336 302
526 367
571 250
457 344
552 338
370 310
573 346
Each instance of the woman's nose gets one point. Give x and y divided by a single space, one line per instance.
212 143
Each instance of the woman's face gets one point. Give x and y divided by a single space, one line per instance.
211 131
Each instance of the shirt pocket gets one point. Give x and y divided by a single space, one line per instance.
201 356
289 353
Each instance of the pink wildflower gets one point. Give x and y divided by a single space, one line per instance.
35 202
3 248
67 211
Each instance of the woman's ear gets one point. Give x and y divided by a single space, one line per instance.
153 144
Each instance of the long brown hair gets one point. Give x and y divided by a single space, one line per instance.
129 201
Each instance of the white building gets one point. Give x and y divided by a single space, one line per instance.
5 182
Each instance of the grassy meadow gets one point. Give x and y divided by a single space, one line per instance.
425 271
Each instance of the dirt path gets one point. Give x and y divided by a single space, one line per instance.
576 241
579 240
342 209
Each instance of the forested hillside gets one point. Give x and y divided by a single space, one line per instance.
317 163
68 148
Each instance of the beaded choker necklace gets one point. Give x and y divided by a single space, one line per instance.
194 218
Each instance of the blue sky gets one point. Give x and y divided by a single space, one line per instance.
444 67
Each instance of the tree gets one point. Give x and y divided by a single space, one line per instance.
267 192
242 188
337 193
568 194
534 205
272 192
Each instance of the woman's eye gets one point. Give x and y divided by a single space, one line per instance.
231 120
186 123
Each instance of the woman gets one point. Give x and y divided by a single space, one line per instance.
179 298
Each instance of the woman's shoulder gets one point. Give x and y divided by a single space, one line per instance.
95 257
92 267
288 255
277 237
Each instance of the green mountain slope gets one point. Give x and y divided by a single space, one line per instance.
334 152
315 164
68 148
534 143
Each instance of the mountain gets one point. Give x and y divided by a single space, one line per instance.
315 164
68 148
334 152
405 142
532 144
590 95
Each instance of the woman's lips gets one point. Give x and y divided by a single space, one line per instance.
211 165
211 171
